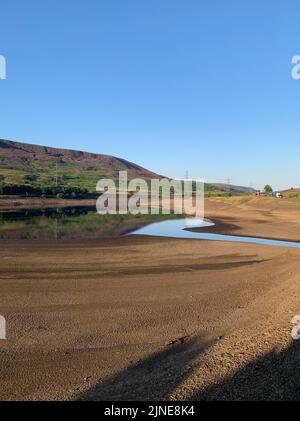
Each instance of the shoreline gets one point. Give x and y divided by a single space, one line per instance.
86 319
17 203
225 228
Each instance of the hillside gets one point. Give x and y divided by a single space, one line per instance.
40 166
239 189
291 194
37 170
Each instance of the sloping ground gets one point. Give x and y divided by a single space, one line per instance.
147 318
43 166
292 194
39 165
226 187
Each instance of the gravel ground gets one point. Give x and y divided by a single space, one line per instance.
150 318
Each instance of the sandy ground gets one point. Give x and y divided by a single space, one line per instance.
155 318
17 203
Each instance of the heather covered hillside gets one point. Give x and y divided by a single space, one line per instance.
44 167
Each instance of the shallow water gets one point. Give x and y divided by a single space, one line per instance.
48 223
85 223
78 223
178 229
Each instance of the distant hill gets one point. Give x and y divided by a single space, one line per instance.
226 187
35 169
293 193
39 166
292 190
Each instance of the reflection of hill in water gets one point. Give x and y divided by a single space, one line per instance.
67 223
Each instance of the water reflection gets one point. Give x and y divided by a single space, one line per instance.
67 223
179 229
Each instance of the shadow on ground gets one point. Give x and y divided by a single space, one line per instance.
274 376
153 378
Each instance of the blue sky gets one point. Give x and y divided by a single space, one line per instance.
203 86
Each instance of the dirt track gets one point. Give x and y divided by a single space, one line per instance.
150 318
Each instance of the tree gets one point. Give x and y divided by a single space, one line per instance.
30 178
268 189
2 183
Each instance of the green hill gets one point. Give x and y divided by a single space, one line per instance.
45 168
27 169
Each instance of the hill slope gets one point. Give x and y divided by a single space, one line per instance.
35 169
39 166
240 189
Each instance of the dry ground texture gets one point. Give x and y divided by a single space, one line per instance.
155 318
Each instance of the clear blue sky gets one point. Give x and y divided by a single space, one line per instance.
173 85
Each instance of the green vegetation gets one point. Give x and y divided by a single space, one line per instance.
70 223
42 174
65 179
31 191
213 191
44 178
292 195
268 189
2 183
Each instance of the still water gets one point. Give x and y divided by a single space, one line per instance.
178 229
84 223
68 223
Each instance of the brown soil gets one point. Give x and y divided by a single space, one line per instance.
155 318
17 203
